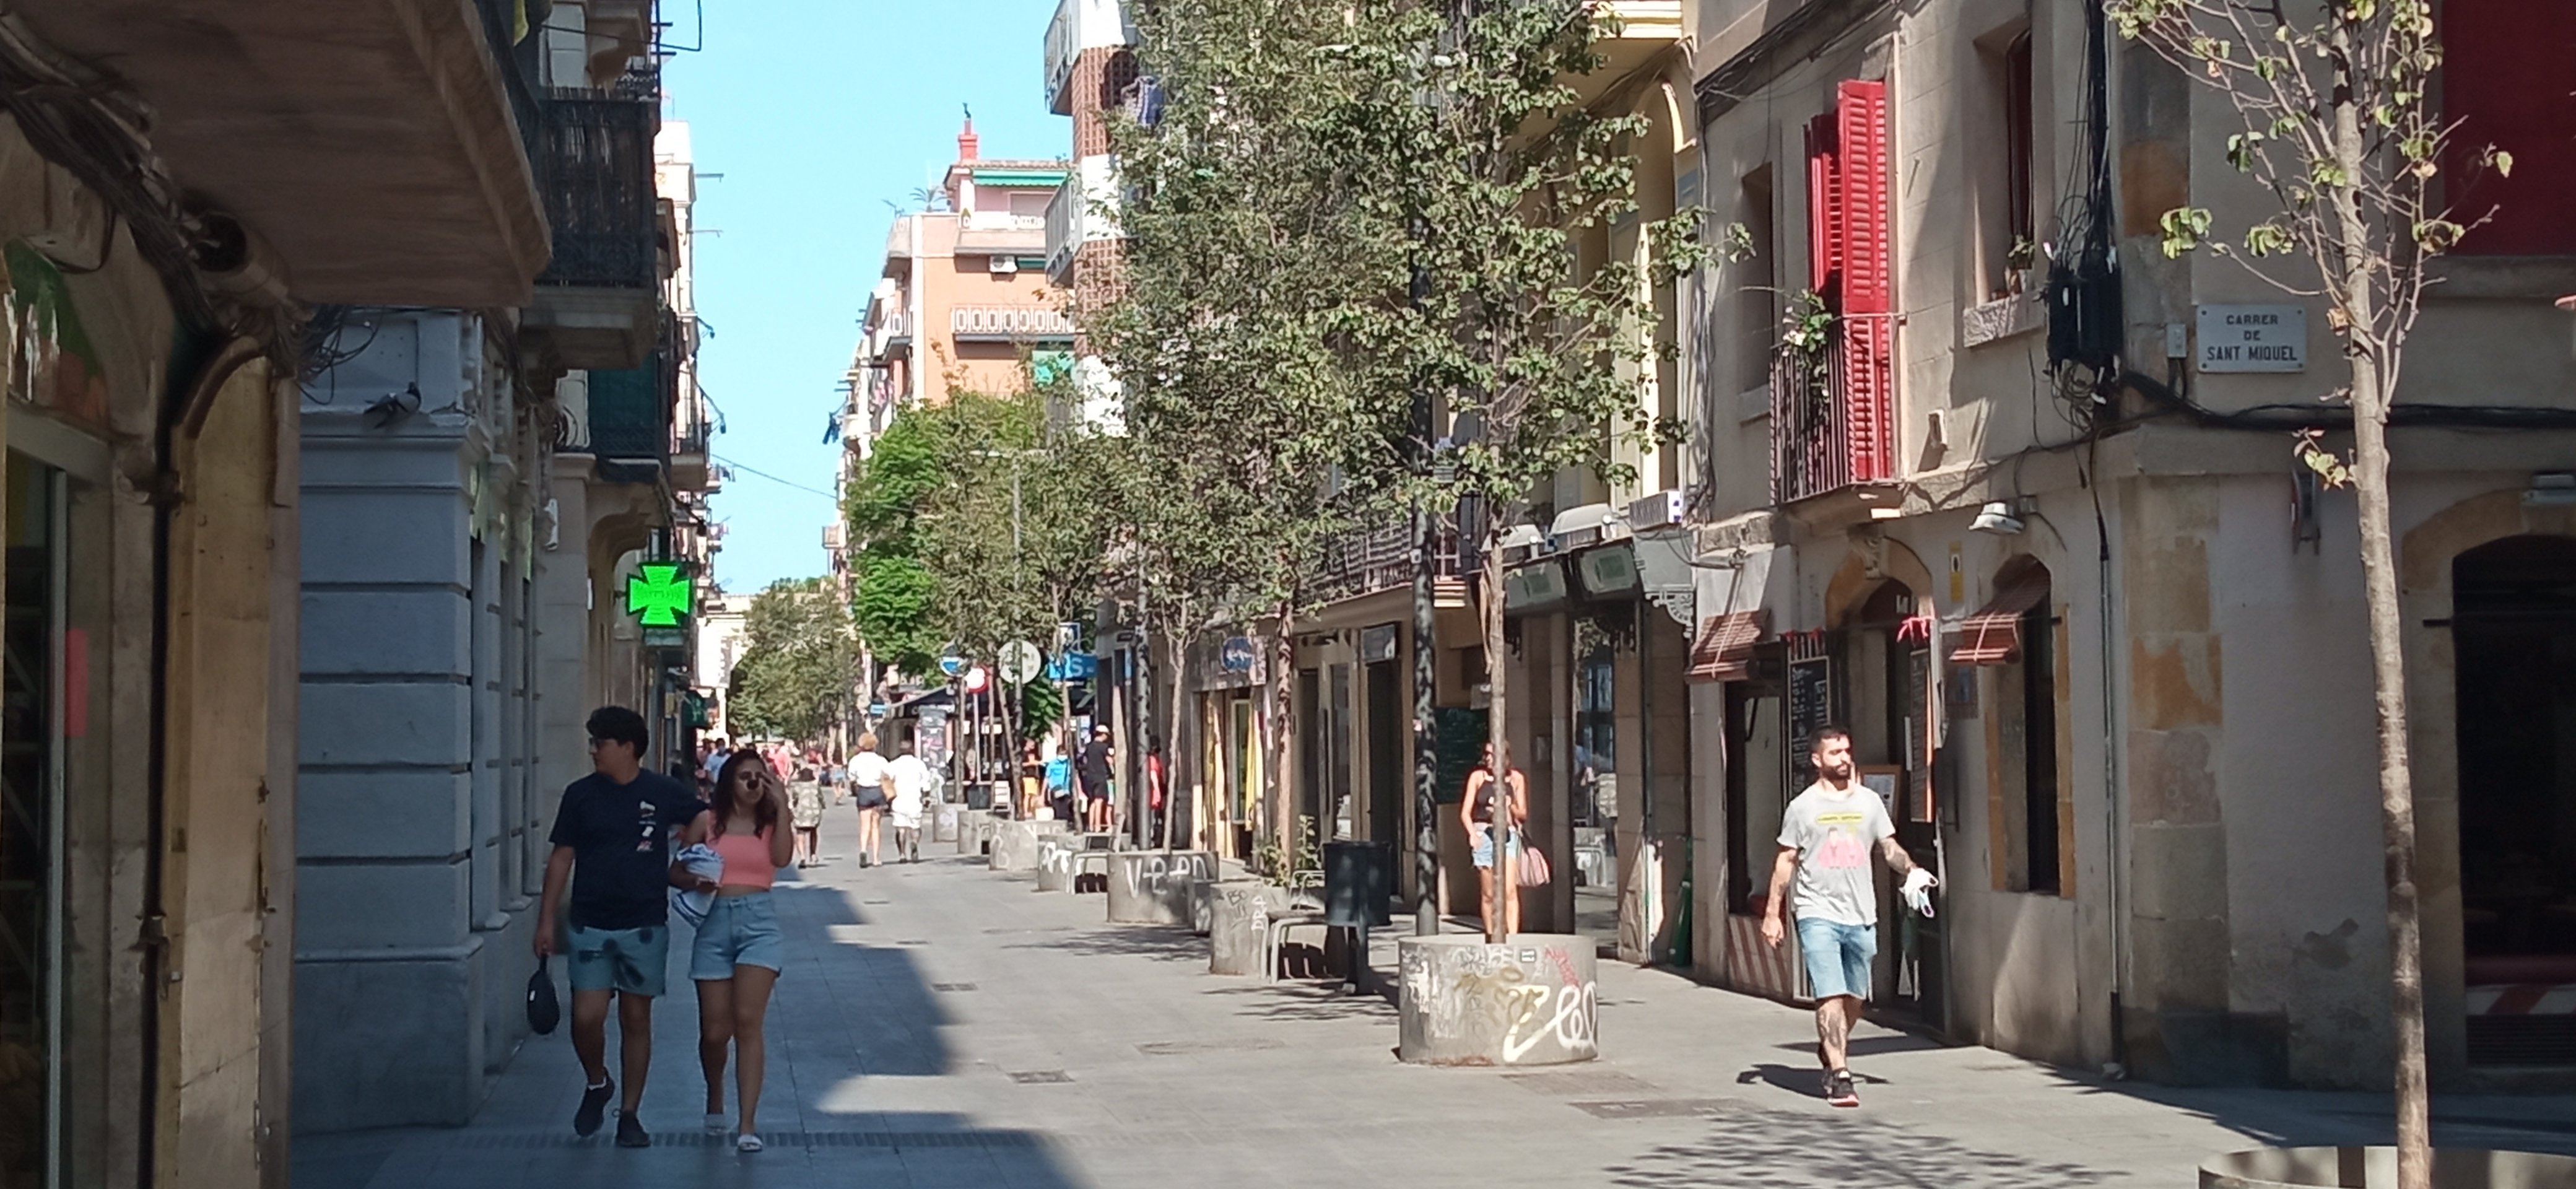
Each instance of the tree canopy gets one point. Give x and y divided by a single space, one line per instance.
798 661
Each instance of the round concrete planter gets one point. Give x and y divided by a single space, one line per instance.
1238 911
1530 1000
1015 844
1148 887
943 822
972 826
2376 1168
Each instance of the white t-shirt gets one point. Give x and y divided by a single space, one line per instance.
867 770
911 779
716 762
1835 834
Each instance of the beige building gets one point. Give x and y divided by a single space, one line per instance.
151 380
2031 527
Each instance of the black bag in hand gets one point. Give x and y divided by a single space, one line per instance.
544 1010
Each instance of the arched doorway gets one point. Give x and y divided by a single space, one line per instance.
2513 628
1887 647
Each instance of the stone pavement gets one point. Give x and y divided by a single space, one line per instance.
940 1025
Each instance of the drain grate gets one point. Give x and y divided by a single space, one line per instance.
952 986
876 901
1177 1048
1654 1108
914 941
1042 1077
1587 1084
534 1140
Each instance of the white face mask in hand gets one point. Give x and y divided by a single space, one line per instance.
1917 891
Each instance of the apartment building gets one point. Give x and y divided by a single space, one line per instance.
2029 524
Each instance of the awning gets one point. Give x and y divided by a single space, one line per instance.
1724 650
1992 636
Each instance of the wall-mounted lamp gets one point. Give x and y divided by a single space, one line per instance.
1996 518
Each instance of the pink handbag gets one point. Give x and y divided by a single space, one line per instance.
1532 869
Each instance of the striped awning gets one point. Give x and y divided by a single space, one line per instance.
1992 636
1724 650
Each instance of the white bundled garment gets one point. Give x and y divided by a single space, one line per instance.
690 904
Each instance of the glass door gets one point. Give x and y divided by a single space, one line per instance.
31 829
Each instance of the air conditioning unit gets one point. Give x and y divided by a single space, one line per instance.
1002 266
1660 510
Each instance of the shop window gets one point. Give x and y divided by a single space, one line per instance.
1757 291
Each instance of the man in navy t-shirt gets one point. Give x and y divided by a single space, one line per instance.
612 841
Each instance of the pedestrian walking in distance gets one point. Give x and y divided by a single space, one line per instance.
612 849
868 788
1826 837
907 783
738 952
805 803
1097 785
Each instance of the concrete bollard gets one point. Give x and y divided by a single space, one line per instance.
1015 844
1530 1000
1056 863
1239 912
1149 887
943 822
970 826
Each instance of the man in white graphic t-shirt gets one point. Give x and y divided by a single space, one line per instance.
1825 841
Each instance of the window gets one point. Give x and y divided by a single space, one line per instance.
1758 287
2020 232
2038 859
2509 79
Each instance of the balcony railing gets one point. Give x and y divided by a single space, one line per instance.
1832 411
598 171
1063 46
1009 323
1064 228
1366 560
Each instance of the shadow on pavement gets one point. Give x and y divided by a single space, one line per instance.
1147 941
876 992
1308 1002
1871 1046
1836 1151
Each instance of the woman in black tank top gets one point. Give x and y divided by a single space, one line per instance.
1476 813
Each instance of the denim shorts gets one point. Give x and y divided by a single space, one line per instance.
1837 957
1485 845
629 961
740 931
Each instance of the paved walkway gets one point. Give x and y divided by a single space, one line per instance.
940 1025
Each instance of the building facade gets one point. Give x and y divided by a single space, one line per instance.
153 361
479 488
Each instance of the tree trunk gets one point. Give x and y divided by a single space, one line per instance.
1497 675
1281 723
2370 399
1176 715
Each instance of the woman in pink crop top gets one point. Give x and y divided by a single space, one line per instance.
738 952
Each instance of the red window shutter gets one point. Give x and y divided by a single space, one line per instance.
1861 119
1868 282
1824 205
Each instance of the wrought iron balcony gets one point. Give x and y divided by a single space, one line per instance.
1374 558
1832 410
598 164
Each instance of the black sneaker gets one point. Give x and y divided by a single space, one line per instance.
630 1134
594 1102
1839 1090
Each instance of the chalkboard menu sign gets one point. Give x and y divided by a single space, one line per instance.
1460 733
1811 709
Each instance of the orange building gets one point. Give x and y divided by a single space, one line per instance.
965 302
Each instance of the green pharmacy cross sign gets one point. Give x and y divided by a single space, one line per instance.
660 595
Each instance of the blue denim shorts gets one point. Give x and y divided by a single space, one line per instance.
1837 957
628 961
1484 853
739 931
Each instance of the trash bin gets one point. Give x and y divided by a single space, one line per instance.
1359 879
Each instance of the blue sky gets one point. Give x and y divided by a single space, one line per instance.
818 113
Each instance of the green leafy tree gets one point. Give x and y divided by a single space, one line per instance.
799 659
2339 130
894 595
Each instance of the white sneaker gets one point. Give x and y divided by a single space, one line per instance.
747 1142
717 1122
